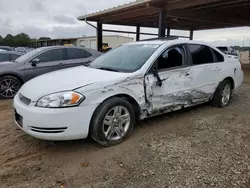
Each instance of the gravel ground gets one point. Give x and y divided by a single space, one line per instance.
197 147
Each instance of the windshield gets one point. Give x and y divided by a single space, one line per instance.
126 58
29 55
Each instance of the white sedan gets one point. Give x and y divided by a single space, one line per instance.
132 82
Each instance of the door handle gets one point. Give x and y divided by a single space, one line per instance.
187 74
164 79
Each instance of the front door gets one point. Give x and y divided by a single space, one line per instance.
47 62
176 80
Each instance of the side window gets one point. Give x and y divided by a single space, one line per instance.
201 54
74 53
51 55
14 57
4 57
218 56
172 57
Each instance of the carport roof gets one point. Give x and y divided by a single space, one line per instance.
181 14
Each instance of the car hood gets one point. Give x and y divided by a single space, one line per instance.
67 79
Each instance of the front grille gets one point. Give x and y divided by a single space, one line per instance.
48 130
24 99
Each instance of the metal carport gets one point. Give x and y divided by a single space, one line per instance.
173 14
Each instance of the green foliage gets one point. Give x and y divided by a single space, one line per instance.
20 40
245 48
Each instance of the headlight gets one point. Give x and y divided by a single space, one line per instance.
60 100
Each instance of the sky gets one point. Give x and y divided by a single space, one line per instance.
57 18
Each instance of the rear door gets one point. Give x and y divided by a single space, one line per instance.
206 72
77 57
49 61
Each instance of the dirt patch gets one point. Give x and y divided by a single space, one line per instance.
196 147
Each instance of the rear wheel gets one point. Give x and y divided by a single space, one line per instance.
112 122
223 94
9 86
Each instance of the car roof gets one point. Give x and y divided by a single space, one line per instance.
11 52
171 42
59 47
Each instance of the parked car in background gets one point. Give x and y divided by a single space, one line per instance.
9 55
28 50
21 49
134 81
40 61
24 49
228 50
7 48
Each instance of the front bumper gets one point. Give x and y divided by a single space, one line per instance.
53 124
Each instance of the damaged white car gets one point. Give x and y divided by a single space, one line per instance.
132 82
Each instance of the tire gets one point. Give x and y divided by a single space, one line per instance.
106 126
9 86
219 94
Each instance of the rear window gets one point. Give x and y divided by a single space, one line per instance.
74 53
218 56
201 54
223 49
4 57
14 57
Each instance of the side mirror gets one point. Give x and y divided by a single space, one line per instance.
34 62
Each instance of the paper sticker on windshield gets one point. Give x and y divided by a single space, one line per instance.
150 46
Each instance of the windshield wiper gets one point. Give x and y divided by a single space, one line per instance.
109 69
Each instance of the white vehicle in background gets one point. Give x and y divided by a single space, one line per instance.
132 82
229 51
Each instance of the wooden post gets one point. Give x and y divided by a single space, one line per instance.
162 24
137 33
99 36
168 32
191 36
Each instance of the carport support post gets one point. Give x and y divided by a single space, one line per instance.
168 32
162 24
191 36
137 33
99 36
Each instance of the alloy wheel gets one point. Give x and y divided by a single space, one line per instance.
226 93
8 87
116 123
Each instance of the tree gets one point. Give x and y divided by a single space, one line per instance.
1 40
9 40
21 40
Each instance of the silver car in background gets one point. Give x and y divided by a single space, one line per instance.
13 74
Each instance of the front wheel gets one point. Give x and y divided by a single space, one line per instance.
223 94
9 86
113 121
